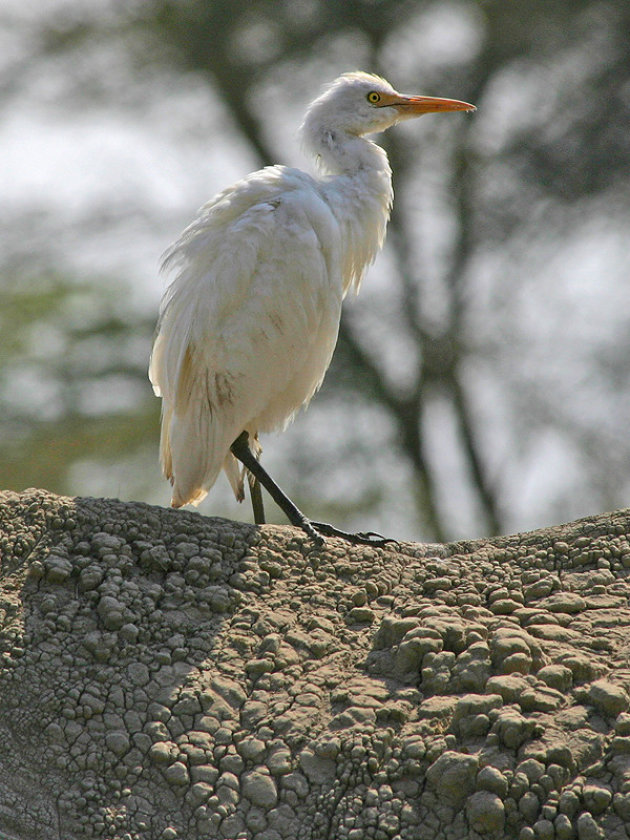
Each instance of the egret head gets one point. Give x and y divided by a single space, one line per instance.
360 103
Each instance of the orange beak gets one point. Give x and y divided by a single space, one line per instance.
418 105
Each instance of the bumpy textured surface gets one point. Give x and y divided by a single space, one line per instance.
165 675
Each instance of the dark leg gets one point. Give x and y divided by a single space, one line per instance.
240 449
256 493
257 502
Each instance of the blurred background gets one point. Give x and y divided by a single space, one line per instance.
481 383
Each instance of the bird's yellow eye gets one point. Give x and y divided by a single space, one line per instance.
373 97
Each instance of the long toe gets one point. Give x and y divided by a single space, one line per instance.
360 538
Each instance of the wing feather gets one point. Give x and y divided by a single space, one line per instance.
248 325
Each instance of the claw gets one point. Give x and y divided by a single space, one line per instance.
376 539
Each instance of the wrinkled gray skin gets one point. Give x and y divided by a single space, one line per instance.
166 675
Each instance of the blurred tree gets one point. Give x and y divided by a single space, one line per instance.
441 348
73 387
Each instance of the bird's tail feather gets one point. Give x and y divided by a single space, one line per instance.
193 470
235 474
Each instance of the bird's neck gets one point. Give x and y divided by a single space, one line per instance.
358 188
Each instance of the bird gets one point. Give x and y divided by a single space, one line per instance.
248 324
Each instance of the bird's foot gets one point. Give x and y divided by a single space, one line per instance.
311 531
360 538
316 531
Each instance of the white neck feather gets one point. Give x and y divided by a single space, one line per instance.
358 188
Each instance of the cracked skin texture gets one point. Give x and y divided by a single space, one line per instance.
168 676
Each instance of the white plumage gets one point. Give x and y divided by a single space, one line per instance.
249 323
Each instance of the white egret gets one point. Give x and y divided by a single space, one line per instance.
248 326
